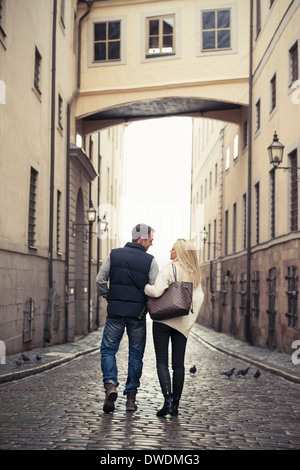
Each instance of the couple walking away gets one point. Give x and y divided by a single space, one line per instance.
127 277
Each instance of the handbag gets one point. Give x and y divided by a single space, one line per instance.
175 302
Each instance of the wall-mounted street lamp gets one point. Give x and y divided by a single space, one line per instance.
91 212
276 150
102 226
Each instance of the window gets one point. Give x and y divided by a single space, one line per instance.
62 12
256 291
107 41
160 35
58 220
271 342
2 16
236 146
292 294
226 231
216 174
209 242
245 134
244 221
234 229
32 209
257 108
227 160
37 70
243 292
216 30
258 17
273 93
294 192
272 202
294 68
257 201
215 238
60 104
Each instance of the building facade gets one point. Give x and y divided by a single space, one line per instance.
70 84
250 258
49 178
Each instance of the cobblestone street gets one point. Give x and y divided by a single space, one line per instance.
62 408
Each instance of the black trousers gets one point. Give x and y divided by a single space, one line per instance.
161 335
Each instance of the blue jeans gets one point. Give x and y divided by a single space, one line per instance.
112 335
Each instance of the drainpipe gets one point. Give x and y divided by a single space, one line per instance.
47 329
89 5
248 333
98 238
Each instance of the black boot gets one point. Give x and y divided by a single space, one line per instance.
167 408
175 405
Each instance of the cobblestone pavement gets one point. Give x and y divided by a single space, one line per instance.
61 408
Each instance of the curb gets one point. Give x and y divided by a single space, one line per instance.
42 368
263 365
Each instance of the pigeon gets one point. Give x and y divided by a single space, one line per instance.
243 372
256 374
25 358
18 362
38 358
193 370
228 373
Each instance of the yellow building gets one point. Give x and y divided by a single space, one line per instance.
252 266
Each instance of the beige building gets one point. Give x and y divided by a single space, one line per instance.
82 68
50 174
251 266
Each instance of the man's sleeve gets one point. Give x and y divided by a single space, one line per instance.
154 269
102 278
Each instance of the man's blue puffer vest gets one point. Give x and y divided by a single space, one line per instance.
129 273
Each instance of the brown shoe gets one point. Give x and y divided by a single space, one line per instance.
130 403
110 397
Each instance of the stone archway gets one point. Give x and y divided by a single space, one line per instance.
80 235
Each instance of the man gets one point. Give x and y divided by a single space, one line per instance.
128 270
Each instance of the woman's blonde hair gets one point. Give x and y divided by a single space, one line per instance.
186 256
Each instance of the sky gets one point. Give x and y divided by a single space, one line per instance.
158 180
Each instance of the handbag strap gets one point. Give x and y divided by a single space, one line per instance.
174 272
175 277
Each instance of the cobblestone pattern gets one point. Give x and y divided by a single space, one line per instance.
62 408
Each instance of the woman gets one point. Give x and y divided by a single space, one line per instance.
183 255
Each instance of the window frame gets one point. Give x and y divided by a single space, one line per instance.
273 93
176 36
123 32
216 29
294 62
37 70
160 35
200 52
32 209
107 41
294 192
